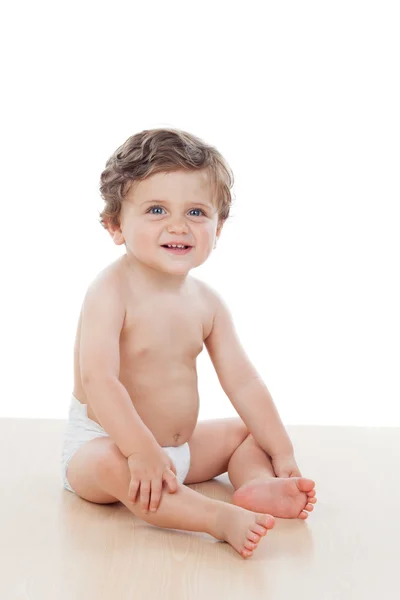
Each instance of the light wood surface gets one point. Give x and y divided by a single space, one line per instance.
54 545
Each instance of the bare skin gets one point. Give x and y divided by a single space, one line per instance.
154 320
253 526
188 510
162 335
282 497
258 488
149 351
152 344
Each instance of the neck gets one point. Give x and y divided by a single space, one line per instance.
152 278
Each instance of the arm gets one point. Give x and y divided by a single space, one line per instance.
103 314
243 385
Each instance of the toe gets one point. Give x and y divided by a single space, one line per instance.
312 500
305 485
258 529
249 545
247 553
311 494
266 521
254 537
303 515
309 507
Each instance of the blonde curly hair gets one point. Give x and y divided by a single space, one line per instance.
155 150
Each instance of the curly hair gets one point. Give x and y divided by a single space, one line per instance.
155 150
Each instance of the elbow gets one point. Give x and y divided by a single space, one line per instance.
244 384
89 380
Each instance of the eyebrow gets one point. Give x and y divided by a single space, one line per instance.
155 201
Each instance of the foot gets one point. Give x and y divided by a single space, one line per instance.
241 528
286 498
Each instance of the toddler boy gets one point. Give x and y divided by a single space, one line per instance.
133 434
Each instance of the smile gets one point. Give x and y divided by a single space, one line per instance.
177 250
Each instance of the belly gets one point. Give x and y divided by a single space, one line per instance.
168 409
163 391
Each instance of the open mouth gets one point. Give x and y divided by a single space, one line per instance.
177 250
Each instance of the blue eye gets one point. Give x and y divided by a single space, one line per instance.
158 207
155 207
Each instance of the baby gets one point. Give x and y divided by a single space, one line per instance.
132 434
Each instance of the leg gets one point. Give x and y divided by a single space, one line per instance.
221 445
98 470
248 462
211 446
252 475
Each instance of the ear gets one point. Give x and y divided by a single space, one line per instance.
218 232
115 233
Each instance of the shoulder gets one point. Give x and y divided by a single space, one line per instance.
109 280
203 289
211 297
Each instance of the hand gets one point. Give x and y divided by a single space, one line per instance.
149 467
285 465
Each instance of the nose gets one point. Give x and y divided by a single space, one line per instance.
177 227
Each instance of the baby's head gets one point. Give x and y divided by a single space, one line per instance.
171 171
163 150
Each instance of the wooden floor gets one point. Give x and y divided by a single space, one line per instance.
54 545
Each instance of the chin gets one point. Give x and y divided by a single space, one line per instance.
178 271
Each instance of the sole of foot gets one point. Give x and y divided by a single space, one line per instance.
285 498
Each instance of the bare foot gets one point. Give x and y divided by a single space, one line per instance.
286 498
241 528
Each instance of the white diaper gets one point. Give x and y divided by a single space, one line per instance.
80 429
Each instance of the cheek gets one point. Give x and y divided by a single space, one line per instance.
143 237
206 236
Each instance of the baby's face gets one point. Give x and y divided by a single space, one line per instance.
168 208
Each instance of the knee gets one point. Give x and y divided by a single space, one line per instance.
112 461
239 431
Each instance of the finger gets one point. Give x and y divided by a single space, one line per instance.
133 489
144 495
156 487
171 480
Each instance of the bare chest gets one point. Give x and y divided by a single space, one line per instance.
169 330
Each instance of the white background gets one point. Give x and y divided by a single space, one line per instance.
302 99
